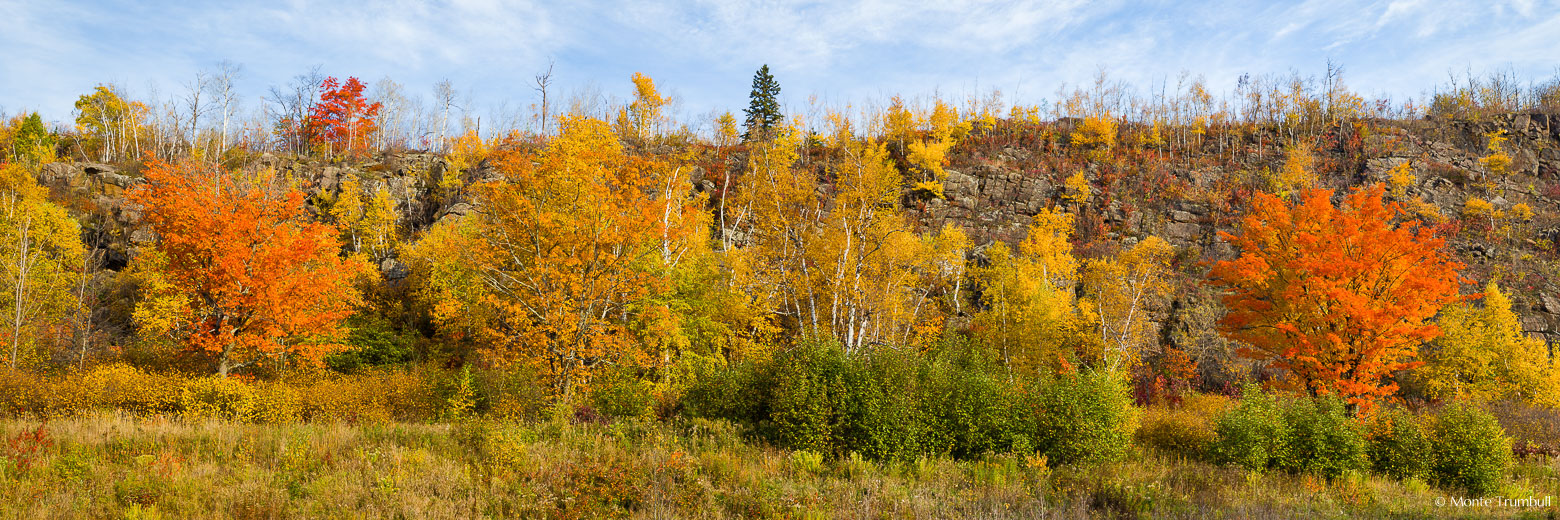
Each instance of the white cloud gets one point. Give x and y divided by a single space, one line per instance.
707 49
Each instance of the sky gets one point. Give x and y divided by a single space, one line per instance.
705 52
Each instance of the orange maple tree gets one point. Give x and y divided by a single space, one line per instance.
343 119
241 270
1338 296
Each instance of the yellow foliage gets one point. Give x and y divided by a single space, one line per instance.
1297 172
1122 292
1399 178
726 133
1031 320
1479 208
41 254
1077 189
1522 212
1498 162
1095 133
1484 354
642 118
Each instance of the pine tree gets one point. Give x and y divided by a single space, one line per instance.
763 111
33 144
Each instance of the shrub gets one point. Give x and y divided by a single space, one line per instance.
1177 431
802 409
19 391
1397 444
380 395
512 394
123 387
1323 439
739 393
1085 417
213 398
973 413
270 403
373 342
879 407
1469 450
621 392
1251 435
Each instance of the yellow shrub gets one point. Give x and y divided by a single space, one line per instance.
270 403
377 396
214 398
1176 431
64 397
19 391
123 387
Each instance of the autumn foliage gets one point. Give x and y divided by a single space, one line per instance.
343 119
1336 295
565 257
239 268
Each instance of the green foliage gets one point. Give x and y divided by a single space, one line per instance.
622 392
975 412
374 342
459 394
1322 438
1470 450
32 144
883 405
763 111
1398 446
1085 417
1253 435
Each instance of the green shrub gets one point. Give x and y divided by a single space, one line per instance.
879 407
1252 435
622 392
512 393
1469 450
372 342
738 392
1323 439
1398 446
802 415
1085 417
973 413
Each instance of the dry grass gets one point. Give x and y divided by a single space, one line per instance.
120 466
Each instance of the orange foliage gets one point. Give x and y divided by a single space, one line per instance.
343 120
1337 296
251 276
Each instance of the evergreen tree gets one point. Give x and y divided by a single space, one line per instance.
33 144
763 111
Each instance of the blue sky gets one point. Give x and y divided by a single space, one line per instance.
706 51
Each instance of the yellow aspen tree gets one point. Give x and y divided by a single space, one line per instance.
1121 292
1030 317
562 258
1484 354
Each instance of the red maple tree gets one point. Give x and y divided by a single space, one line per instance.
343 120
1338 296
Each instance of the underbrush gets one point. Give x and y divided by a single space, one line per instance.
122 466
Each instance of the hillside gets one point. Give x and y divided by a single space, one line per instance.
998 179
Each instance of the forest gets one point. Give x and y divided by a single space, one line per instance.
1281 300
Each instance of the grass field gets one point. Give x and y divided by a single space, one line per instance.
118 466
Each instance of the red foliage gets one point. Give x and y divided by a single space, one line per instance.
1337 296
343 120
